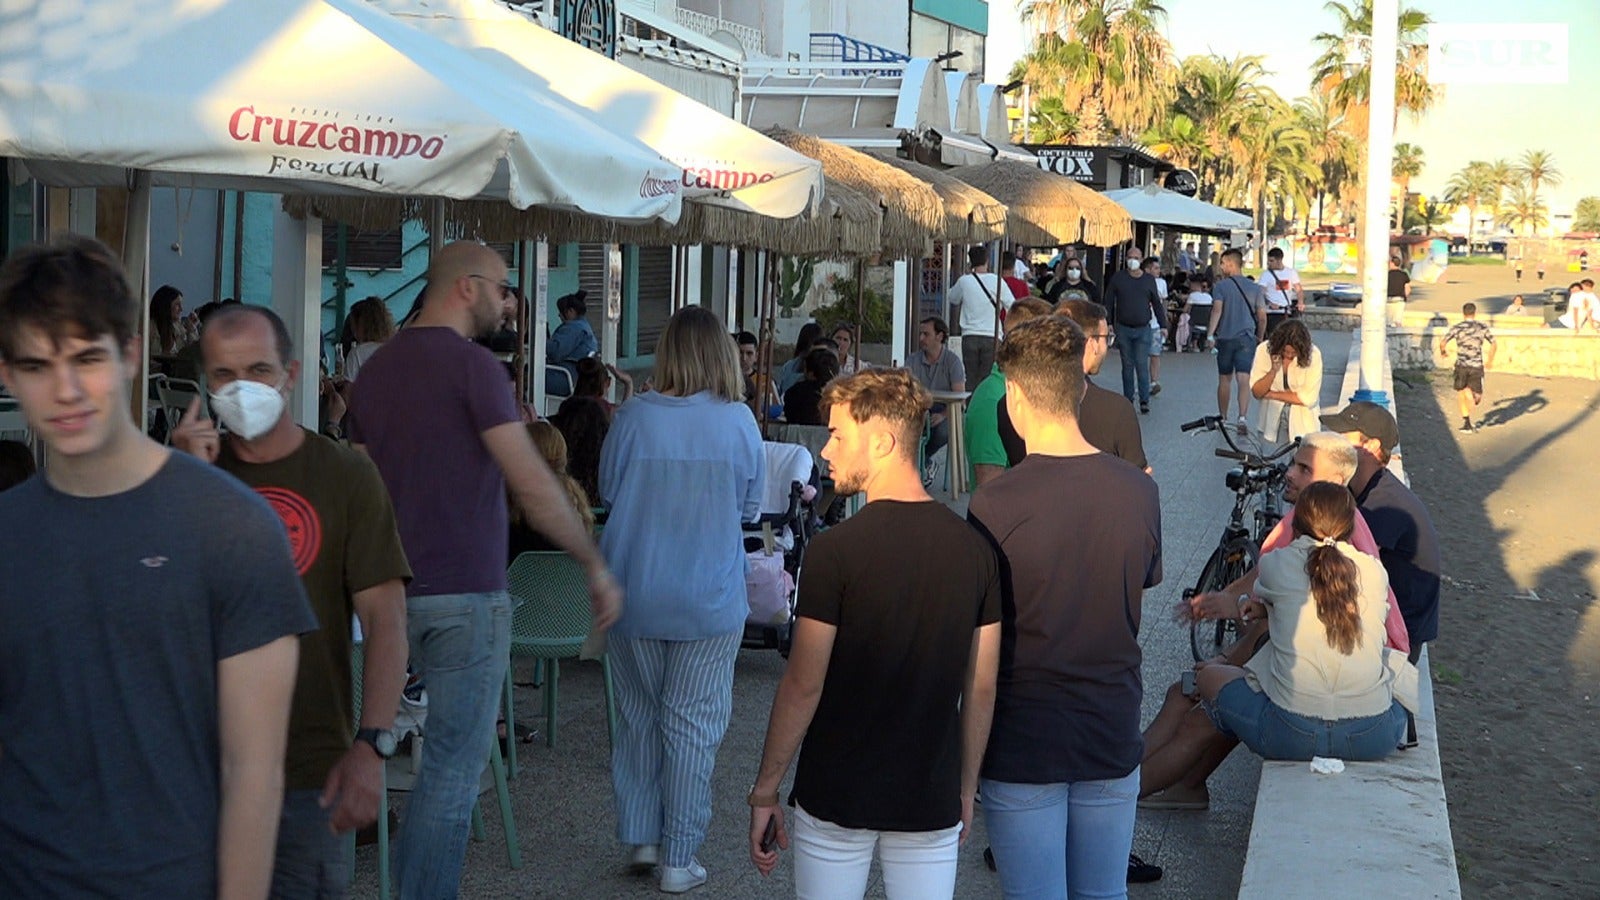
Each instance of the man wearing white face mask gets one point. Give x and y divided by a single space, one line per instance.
346 546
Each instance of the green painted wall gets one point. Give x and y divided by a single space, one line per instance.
972 15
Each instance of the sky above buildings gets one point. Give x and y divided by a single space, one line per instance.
1470 121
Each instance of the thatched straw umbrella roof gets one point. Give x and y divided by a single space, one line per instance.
913 214
1046 209
971 216
845 224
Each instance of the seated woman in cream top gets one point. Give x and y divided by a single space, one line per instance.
1324 684
1286 376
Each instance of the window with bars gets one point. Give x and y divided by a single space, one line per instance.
363 249
654 306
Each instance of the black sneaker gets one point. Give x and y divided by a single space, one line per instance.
1144 408
1466 427
1155 389
1141 872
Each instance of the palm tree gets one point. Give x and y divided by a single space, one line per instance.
1344 67
1406 166
1538 167
1523 207
1344 70
1273 160
1050 122
1178 140
1218 95
1429 213
1586 216
1472 187
1505 177
1107 61
1331 148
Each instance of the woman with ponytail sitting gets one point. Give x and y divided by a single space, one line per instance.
1323 684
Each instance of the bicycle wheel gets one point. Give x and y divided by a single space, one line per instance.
1226 565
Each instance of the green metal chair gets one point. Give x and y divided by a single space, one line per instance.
550 624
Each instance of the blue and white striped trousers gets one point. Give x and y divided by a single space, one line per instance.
673 703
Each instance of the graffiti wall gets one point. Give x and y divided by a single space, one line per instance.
1426 259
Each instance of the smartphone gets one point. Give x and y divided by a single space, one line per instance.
1188 683
769 838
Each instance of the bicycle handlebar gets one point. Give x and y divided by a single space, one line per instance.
1253 460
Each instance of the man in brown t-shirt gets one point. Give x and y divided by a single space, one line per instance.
342 532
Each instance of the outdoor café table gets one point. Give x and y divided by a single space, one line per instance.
956 450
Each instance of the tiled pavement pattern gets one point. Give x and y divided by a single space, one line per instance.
563 796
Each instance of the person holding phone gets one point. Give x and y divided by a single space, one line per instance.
893 700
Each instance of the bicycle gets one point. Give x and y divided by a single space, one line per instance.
1239 548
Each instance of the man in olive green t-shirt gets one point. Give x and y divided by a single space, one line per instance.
342 532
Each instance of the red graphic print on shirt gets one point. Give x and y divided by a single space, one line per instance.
300 520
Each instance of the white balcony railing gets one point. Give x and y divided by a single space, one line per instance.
749 38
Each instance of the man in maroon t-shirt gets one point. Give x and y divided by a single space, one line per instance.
1008 271
433 410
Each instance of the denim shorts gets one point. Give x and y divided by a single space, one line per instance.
1275 733
1235 355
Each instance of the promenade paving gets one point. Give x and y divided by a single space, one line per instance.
562 798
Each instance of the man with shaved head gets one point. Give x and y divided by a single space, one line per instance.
433 410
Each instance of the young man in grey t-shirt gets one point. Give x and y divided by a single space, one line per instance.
151 611
1238 322
938 370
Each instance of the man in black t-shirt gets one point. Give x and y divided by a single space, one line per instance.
1408 544
1399 284
891 678
1061 774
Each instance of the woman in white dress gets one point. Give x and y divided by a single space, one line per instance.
1286 377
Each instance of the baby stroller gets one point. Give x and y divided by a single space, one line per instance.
775 544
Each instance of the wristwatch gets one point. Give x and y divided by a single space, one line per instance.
380 739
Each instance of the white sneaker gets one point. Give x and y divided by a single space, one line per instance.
677 881
643 858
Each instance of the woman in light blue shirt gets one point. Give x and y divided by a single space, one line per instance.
681 468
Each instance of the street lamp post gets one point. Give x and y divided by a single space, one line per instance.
1380 152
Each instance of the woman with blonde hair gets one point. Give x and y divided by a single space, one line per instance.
1324 684
371 324
681 469
550 443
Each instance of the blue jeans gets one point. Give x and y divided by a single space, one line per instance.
1133 344
460 645
310 862
1276 733
1061 840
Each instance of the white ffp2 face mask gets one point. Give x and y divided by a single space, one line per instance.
248 408
1134 263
